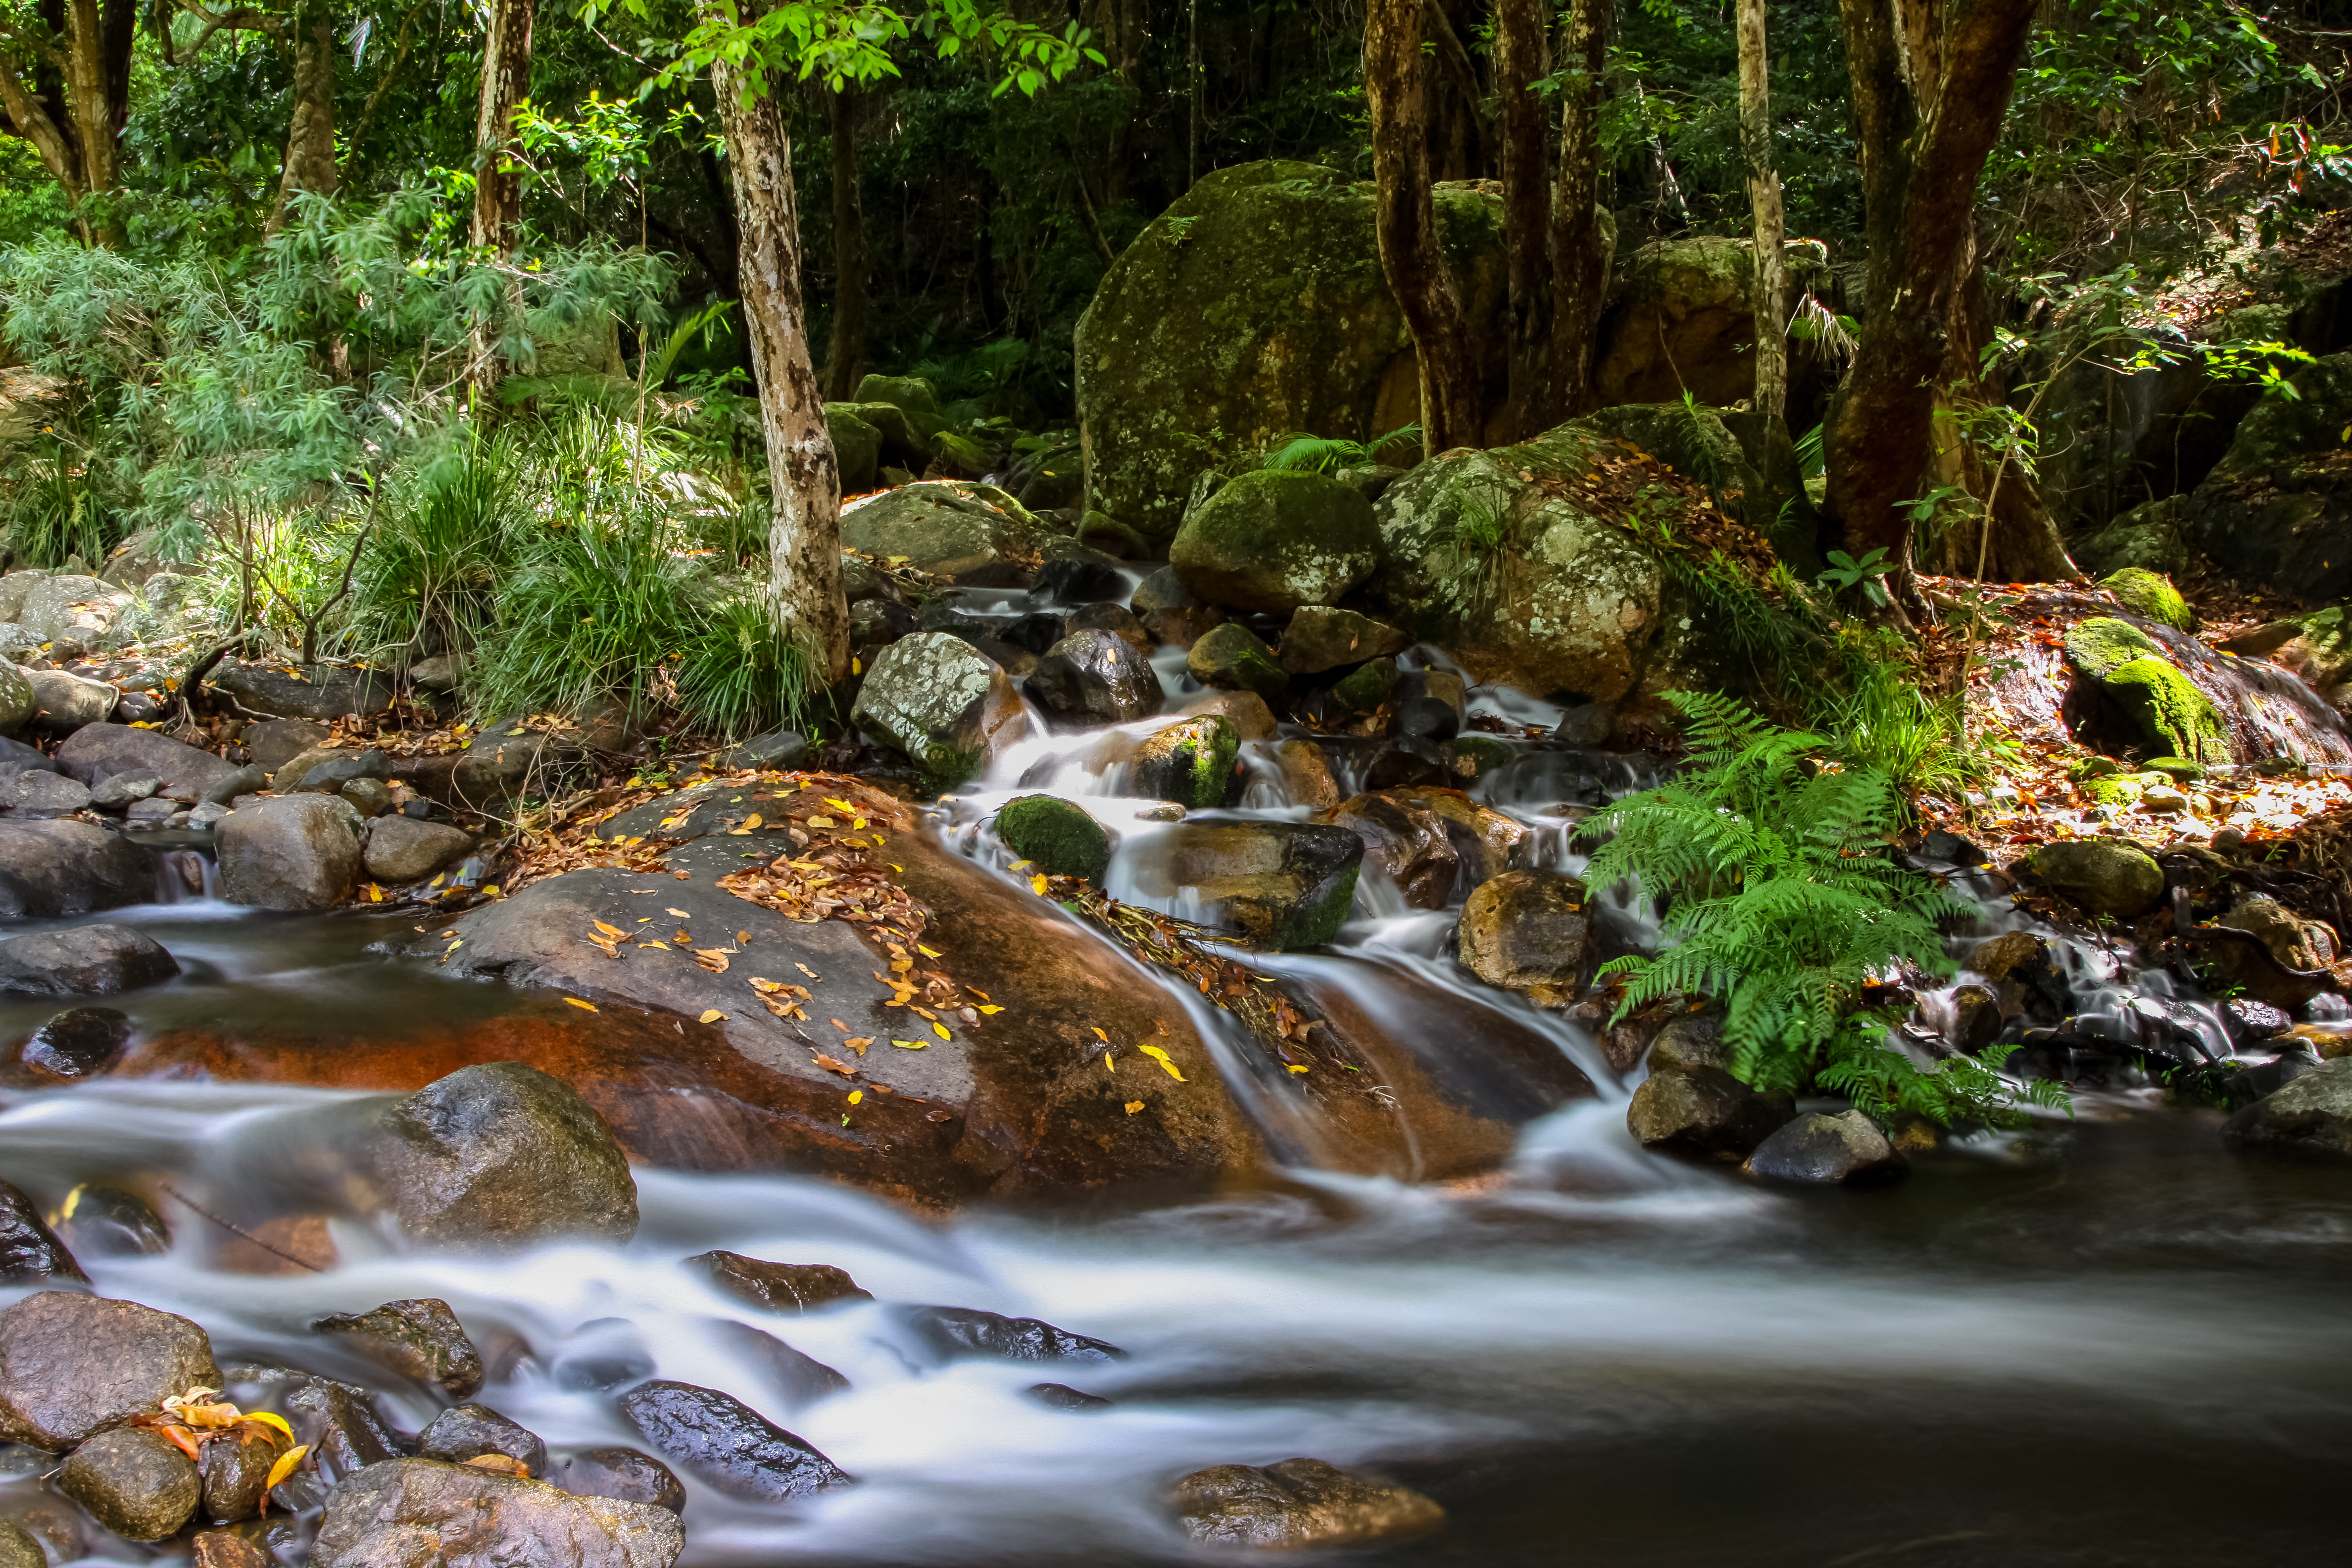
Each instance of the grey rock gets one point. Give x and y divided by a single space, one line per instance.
468 1431
340 1427
32 793
274 742
1319 637
15 754
49 869
207 816
783 749
419 1340
247 780
369 797
119 790
326 692
71 1365
1296 1503
623 1474
1827 1149
1094 676
975 533
63 703
1169 612
133 1482
1232 658
1702 1111
402 849
726 1443
290 852
30 1252
84 960
948 707
67 606
1586 725
99 752
444 673
2312 1115
955 1333
421 1514
509 759
1116 619
17 699
329 774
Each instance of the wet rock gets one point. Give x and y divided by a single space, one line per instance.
468 1431
1296 1503
99 1221
1231 657
322 692
19 1548
1976 1018
1409 763
230 1549
1305 774
289 852
117 790
973 533
726 1443
1824 1149
937 699
782 750
1405 843
1319 637
101 752
1190 762
33 793
247 780
1691 1105
779 1286
2312 1115
2104 877
1074 579
369 797
1169 612
1057 836
2249 1022
1092 678
1062 1396
235 1469
1285 884
79 1042
2166 714
402 849
274 742
1252 719
133 1482
51 1522
501 1156
1586 725
2149 595
2292 941
30 1252
622 1474
418 1340
64 703
71 1365
1035 632
86 961
1486 840
798 1380
340 1427
2025 975
603 1354
1116 619
1272 540
1527 931
952 1334
411 1513
1365 687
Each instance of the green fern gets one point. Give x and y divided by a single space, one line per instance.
1782 902
1324 454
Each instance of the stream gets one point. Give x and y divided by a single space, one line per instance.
2101 1341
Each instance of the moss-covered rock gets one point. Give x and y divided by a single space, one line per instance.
1272 540
1285 884
1190 762
911 393
902 445
2277 509
1254 307
2151 537
2102 643
2103 877
856 447
1363 689
1230 657
975 533
2149 595
1319 638
2174 718
1057 836
1681 317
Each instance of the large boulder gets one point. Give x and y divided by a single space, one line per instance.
63 702
945 704
2276 510
319 693
401 849
1285 884
1273 540
1094 678
2311 1115
1254 308
32 793
1319 638
290 852
86 961
975 533
856 447
2316 646
73 1365
2166 712
99 752
1681 318
60 867
411 1513
1296 1503
73 609
17 701
500 1157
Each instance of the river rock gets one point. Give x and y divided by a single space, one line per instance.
2311 1115
63 868
118 792
84 960
71 1365
1405 843
100 1221
782 750
1319 637
64 703
2104 877
133 1482
30 1252
340 1427
1057 836
1487 841
726 1443
402 849
99 752
1296 1503
2292 941
1691 1105
856 447
328 771
798 1380
235 1469
289 852
515 756
15 754
1247 712
1190 762
975 534
2025 974
622 1474
1091 678
19 1547
274 742
1272 540
1527 931
1169 612
1304 773
418 1340
952 1334
779 1286
1114 619
1827 1149
320 693
943 703
468 1431
2164 712
72 608
1231 657
33 793
17 701
421 1514
1073 574
1285 884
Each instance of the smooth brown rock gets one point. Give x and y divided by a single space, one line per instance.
71 1365
1406 843
235 1468
1527 931
779 1286
420 1340
421 1514
133 1482
1296 1503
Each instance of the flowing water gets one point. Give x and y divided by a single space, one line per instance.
2104 1340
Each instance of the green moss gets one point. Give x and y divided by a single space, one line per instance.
1314 924
2094 768
1367 686
1485 753
1232 659
2174 718
2150 595
1058 837
1191 764
2180 770
2116 791
910 392
2098 646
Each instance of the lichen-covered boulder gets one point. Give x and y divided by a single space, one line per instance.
2149 595
64 702
1055 835
856 447
1527 931
945 704
973 533
17 701
2103 877
2276 510
1253 308
1681 317
1272 540
1230 657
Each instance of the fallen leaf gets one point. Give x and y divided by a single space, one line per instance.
1296 1068
911 1044
1157 1055
859 1043
1133 1106
711 1016
942 1031
1100 1036
679 913
711 958
608 930
659 944
1109 1065
1037 884
577 1003
750 822
857 1095
500 1464
988 1007
835 1064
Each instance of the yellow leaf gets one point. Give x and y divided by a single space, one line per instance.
911 1044
608 930
491 892
857 1095
877 841
1157 1055
857 665
1037 884
841 806
375 894
1133 1106
858 821
990 1007
267 1419
900 869
750 822
711 1016
577 1003
926 951
942 1031
1296 1068
679 913
285 1465
1100 1036
657 942
820 822
1109 1065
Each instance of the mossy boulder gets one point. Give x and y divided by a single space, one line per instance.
1253 308
1272 540
1232 659
901 445
2149 595
2102 643
2277 509
1054 835
1285 884
945 704
2174 718
1190 762
975 533
912 394
2150 537
856 447
1319 638
1681 317
2103 877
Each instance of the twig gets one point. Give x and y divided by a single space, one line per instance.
239 1230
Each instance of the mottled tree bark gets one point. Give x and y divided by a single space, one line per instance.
73 108
845 354
804 593
310 137
1581 239
1764 199
1405 221
506 82
1519 61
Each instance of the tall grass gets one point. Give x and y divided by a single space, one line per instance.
427 582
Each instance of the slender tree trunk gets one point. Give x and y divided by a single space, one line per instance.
1406 223
73 110
1192 93
1764 197
844 355
311 138
804 593
1519 62
1930 85
2017 540
506 82
1462 138
1581 236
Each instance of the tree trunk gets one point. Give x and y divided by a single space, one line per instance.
804 593
506 82
1930 86
73 110
1581 238
844 356
1405 221
2014 539
1527 215
311 138
1764 197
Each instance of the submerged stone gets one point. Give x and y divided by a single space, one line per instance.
1296 1503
